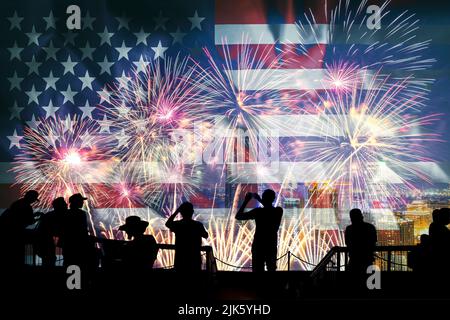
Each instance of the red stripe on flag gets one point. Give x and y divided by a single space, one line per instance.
289 58
241 12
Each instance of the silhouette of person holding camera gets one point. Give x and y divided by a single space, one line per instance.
267 219
188 239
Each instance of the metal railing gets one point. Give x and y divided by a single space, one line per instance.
387 258
32 259
210 265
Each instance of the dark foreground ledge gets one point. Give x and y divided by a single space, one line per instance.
165 291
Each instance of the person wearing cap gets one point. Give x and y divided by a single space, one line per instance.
139 253
75 241
13 224
188 239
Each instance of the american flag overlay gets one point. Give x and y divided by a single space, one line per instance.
147 104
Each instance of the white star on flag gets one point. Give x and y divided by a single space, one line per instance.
123 51
50 81
87 51
14 140
15 111
87 21
87 110
105 37
159 51
123 23
51 51
33 66
68 94
50 21
160 21
177 36
15 21
105 66
105 95
15 81
50 110
33 36
33 123
141 65
196 21
33 95
104 124
87 81
69 65
15 51
123 80
142 37
122 139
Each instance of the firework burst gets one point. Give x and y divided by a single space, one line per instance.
387 44
149 114
239 89
369 138
62 157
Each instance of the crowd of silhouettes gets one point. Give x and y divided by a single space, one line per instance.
67 227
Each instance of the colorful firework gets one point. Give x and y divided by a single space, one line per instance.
368 141
150 114
239 90
385 41
61 157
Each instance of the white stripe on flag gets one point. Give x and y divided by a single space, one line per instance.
291 79
270 34
246 172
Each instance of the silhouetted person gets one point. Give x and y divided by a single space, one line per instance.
13 224
50 227
361 239
440 240
188 239
78 248
420 258
267 219
141 251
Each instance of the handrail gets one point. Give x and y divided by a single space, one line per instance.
211 265
327 259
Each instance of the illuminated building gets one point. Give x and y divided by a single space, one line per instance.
420 213
406 227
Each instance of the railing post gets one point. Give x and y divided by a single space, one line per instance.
345 260
289 261
389 253
338 261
